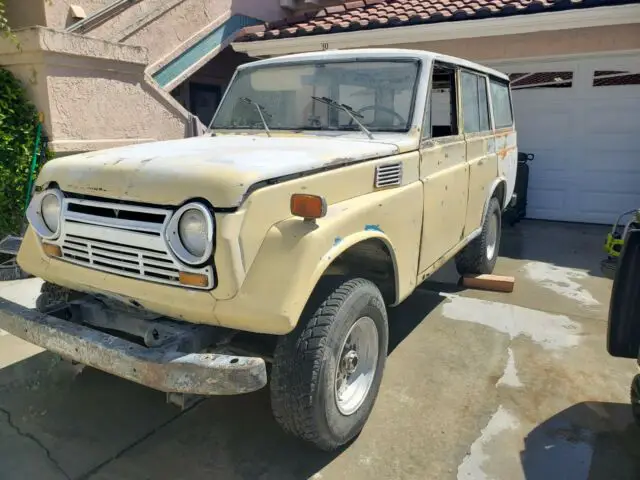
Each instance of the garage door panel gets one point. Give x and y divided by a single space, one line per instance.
611 117
612 183
614 143
543 203
548 167
610 163
586 140
605 207
602 202
538 128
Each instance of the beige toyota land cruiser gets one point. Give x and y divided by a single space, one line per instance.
328 187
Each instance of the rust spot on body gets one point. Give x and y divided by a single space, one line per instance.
503 152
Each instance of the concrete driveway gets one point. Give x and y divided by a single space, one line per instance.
478 385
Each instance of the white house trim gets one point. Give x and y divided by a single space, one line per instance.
535 22
506 62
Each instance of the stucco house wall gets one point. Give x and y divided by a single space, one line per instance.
95 88
94 94
539 44
57 11
176 25
47 13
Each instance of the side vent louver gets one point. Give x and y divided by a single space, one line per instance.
388 175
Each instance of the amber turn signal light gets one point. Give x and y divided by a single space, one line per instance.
308 206
52 250
193 279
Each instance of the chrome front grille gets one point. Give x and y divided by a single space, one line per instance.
122 239
116 258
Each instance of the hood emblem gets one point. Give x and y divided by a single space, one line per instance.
116 212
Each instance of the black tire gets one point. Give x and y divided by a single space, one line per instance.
635 399
474 258
303 395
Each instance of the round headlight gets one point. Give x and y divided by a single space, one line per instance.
192 229
189 233
50 208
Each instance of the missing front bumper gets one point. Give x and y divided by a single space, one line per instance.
163 368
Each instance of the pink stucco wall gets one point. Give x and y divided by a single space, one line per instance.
57 11
167 26
94 94
539 44
139 17
114 101
25 13
47 13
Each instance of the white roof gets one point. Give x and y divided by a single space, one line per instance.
373 53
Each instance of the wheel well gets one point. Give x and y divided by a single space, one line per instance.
499 192
370 259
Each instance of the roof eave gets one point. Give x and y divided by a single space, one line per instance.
496 26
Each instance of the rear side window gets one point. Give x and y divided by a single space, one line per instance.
475 108
501 104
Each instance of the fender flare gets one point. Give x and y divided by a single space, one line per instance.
492 189
343 244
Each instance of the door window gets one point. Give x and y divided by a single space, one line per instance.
441 119
475 108
501 104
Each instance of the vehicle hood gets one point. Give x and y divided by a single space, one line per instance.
218 168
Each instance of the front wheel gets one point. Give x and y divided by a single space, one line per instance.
327 371
481 254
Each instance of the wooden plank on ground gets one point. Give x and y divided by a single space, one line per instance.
496 283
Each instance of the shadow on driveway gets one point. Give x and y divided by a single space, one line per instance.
587 441
84 420
569 245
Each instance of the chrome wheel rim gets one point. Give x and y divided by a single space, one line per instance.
357 365
492 236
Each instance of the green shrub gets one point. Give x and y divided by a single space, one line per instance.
5 30
18 121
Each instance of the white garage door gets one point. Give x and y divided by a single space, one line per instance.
581 118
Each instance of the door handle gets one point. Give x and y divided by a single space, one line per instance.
481 161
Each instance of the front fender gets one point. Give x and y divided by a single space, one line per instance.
295 254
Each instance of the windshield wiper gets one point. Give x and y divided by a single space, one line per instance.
346 109
261 111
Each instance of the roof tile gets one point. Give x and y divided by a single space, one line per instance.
335 9
366 14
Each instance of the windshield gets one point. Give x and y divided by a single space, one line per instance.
380 93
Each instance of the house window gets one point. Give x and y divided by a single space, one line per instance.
611 78
475 109
541 80
204 100
501 104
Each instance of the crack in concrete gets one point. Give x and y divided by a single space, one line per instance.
95 470
36 441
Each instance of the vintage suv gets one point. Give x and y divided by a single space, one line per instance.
329 186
